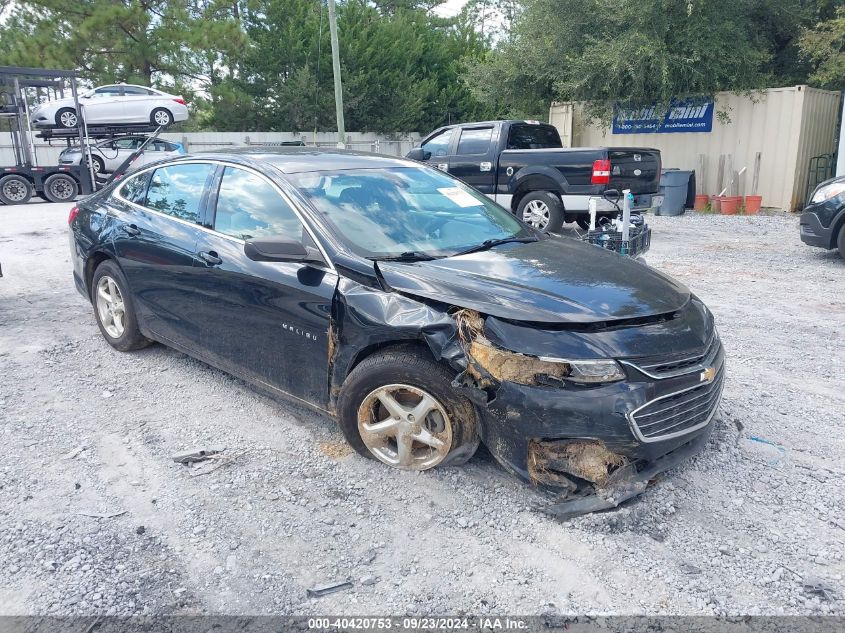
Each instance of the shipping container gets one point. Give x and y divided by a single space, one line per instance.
773 134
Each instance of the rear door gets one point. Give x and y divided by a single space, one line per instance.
156 243
635 169
473 160
138 103
267 321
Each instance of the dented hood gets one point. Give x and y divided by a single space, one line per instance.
551 281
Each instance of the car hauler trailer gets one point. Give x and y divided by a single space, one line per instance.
19 89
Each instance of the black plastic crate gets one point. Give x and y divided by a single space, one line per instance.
639 240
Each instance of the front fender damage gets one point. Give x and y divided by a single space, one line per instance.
584 473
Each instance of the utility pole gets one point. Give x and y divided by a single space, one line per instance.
338 87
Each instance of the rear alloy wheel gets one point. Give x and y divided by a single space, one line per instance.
60 188
401 409
543 210
66 118
161 116
114 309
15 189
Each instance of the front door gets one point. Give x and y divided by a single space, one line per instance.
155 239
267 321
437 149
105 105
472 161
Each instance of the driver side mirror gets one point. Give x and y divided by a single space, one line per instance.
418 154
276 249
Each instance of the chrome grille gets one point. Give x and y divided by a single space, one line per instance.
667 366
678 413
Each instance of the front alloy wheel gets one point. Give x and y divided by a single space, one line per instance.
405 427
110 307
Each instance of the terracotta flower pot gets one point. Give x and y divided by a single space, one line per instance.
752 204
716 204
730 205
701 202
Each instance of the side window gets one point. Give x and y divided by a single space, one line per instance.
177 190
108 91
135 189
248 206
438 145
136 91
127 143
475 141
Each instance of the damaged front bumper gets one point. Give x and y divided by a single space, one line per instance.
597 446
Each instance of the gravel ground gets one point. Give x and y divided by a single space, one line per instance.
754 525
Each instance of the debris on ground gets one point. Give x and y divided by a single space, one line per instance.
324 590
196 455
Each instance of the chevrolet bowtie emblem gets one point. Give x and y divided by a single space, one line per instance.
708 375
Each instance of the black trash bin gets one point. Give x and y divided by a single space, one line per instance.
678 189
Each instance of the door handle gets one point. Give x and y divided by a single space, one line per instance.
486 166
131 229
443 166
210 257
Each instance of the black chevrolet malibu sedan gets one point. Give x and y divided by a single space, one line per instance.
415 311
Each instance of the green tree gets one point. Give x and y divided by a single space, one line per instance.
824 46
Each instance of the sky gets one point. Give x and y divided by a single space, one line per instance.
450 8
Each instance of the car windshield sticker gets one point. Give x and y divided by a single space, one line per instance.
459 197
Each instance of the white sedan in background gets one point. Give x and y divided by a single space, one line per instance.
115 104
108 155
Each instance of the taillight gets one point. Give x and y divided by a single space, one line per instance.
601 172
73 213
180 100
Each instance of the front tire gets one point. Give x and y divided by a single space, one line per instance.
841 241
541 209
15 189
60 188
400 408
67 118
114 309
161 116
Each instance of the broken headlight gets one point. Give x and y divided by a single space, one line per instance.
589 371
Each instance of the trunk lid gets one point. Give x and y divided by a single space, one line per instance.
634 168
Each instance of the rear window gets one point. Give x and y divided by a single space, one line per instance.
475 141
177 190
525 136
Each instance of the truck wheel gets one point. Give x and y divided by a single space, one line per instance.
541 209
400 408
15 189
60 188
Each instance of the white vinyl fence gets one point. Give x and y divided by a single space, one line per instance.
390 144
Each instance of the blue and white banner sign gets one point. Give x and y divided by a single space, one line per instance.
683 116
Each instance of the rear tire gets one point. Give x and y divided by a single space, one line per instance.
841 241
541 209
15 189
448 429
114 308
66 118
60 188
161 116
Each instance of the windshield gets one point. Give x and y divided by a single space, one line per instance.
401 210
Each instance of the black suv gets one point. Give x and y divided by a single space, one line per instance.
823 220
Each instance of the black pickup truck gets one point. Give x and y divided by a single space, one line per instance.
524 167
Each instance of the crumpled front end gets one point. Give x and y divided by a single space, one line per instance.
596 445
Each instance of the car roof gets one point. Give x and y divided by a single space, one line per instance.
294 160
